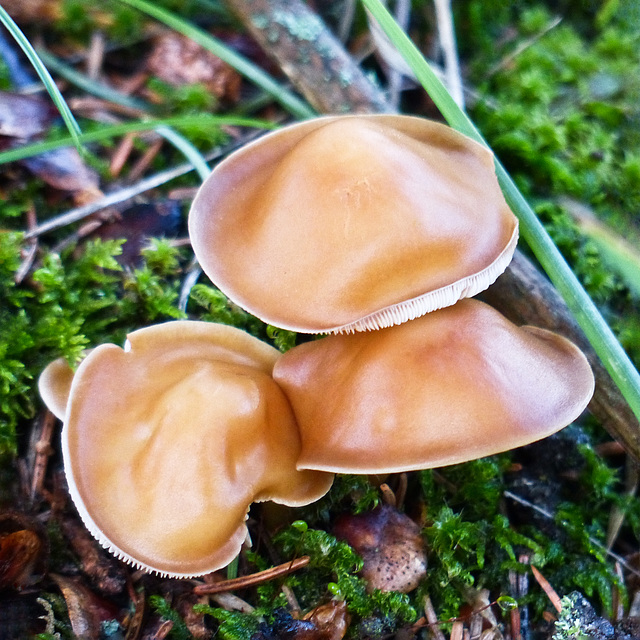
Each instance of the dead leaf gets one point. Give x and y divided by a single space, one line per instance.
24 116
137 224
177 60
18 554
391 547
33 10
331 620
64 169
23 550
193 620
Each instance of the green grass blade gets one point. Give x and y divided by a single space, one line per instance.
45 76
90 86
584 310
114 131
107 93
620 253
244 67
187 149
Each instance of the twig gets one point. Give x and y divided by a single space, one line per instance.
475 627
254 579
121 154
117 197
346 20
231 602
31 249
506 61
145 160
457 631
95 56
122 195
446 33
401 489
432 619
549 515
617 601
313 59
43 452
402 15
193 273
388 496
618 513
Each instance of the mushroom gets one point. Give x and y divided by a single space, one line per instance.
54 385
353 223
167 443
457 384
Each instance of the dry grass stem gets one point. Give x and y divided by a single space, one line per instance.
547 588
453 80
254 579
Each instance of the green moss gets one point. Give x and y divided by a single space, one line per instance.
179 630
73 301
332 572
232 625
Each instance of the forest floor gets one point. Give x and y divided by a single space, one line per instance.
530 544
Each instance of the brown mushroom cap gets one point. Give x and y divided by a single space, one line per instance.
54 386
457 384
167 443
353 223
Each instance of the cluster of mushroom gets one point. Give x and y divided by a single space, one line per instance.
373 228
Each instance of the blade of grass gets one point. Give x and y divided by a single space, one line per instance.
187 149
107 93
587 315
242 65
617 251
90 86
45 76
114 131
127 193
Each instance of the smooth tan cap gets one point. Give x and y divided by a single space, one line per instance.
457 384
353 223
168 442
54 386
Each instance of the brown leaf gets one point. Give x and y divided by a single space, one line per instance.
23 550
177 60
24 116
18 554
193 620
331 620
391 547
63 169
